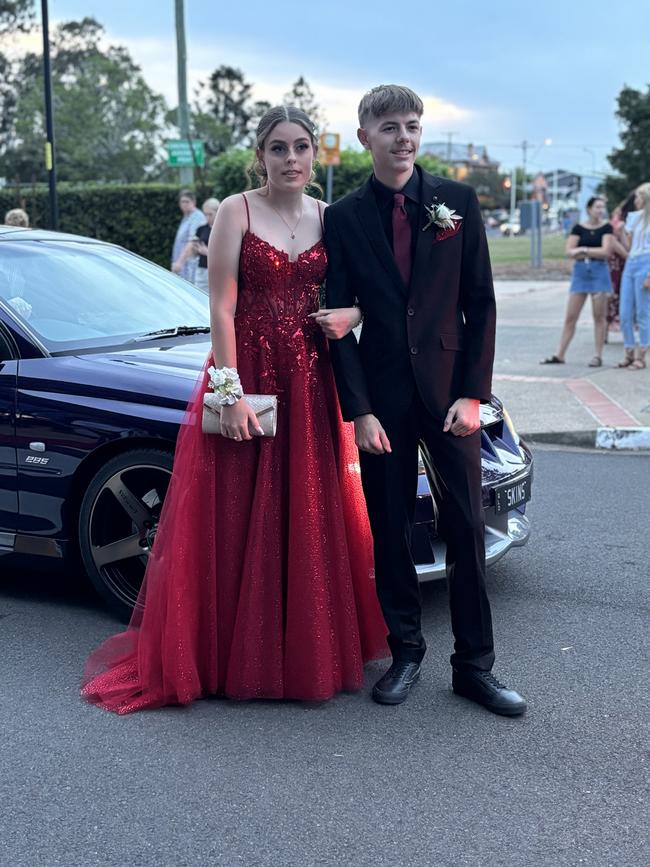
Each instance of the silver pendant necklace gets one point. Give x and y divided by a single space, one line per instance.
292 231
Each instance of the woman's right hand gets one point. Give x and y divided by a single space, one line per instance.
239 422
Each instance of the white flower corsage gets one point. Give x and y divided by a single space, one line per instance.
225 382
440 215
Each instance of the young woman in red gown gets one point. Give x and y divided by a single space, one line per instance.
260 583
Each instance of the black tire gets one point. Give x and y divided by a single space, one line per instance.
117 524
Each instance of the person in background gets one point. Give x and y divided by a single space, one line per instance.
589 245
17 217
198 245
617 259
190 222
635 282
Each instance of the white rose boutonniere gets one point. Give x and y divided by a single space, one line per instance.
440 215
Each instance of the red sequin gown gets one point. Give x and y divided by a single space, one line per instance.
260 584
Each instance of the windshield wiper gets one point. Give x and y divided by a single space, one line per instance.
178 331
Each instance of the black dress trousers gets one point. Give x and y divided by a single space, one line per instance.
390 486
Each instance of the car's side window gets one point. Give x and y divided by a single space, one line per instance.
7 351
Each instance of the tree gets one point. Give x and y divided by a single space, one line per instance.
632 160
302 96
227 97
489 187
258 110
16 15
228 173
108 121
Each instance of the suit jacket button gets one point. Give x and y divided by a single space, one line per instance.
411 311
414 350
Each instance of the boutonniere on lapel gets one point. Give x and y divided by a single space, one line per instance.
443 218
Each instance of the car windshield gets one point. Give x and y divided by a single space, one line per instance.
75 295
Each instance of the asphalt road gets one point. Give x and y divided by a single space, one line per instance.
436 782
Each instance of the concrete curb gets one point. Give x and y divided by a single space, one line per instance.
616 438
623 438
580 438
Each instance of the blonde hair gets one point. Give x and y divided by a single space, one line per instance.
269 121
644 191
386 99
211 203
17 217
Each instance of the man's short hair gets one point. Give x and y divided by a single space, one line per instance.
187 194
387 99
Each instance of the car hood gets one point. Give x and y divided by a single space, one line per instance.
165 368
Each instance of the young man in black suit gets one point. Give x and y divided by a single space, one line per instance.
411 249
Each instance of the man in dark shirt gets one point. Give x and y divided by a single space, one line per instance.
411 248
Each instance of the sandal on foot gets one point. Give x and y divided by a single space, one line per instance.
552 359
637 364
596 361
627 361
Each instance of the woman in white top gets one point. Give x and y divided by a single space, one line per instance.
635 283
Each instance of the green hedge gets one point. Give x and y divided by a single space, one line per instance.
141 217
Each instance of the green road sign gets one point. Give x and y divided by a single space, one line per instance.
179 153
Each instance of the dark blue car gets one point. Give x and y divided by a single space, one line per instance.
99 353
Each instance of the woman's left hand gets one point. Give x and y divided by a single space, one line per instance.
338 322
646 282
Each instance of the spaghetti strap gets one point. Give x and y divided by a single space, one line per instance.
248 213
320 216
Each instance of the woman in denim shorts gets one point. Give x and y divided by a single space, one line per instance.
589 246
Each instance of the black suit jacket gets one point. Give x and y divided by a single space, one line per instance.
435 335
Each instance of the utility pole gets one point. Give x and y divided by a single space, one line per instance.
186 172
524 150
449 138
50 153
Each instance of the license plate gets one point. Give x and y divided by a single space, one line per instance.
510 496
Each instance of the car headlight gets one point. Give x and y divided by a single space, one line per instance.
510 425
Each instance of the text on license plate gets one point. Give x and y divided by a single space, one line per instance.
510 496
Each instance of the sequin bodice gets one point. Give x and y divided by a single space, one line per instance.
275 336
271 286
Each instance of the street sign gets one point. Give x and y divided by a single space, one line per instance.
179 153
329 152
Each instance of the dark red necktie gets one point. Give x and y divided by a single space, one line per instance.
401 237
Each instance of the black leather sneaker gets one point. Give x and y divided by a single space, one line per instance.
483 688
394 686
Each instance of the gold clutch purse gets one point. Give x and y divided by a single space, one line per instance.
265 407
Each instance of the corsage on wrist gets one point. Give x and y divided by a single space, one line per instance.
225 383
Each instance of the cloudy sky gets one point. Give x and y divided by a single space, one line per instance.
494 73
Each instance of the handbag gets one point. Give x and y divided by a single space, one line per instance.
265 407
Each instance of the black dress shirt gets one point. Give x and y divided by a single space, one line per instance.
385 196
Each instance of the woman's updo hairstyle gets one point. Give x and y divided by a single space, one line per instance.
274 116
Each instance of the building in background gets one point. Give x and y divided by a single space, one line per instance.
463 159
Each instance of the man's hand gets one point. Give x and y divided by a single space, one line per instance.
337 322
370 436
464 417
646 282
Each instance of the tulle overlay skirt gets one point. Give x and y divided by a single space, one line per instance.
260 584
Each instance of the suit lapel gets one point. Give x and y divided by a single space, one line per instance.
369 218
428 185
